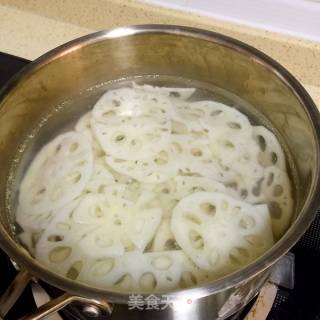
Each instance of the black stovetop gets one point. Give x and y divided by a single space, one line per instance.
301 303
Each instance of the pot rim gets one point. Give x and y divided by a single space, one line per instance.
303 221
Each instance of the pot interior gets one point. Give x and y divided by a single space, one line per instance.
53 92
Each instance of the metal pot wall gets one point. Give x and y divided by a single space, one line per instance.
159 50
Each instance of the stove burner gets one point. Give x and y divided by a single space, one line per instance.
301 303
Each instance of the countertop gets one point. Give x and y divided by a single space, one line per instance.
30 28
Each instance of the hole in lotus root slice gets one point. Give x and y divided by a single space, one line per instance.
234 125
62 168
124 282
74 270
277 190
102 266
232 185
73 147
167 267
147 282
208 244
275 210
271 153
171 244
262 143
97 212
270 178
196 240
55 238
59 254
174 94
243 194
148 247
196 152
227 143
215 113
119 137
274 158
208 208
256 190
167 188
111 114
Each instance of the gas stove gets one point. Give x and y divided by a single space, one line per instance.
300 303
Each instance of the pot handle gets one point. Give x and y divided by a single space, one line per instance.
65 299
13 292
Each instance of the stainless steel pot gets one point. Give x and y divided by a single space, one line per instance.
160 50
